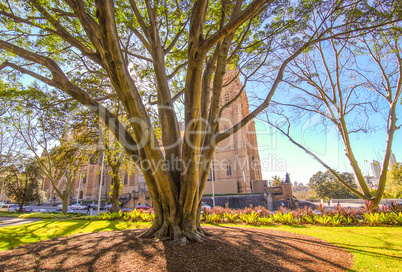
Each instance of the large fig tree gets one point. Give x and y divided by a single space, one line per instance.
154 54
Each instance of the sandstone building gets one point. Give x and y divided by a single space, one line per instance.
235 165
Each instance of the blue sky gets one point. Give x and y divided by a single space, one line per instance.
286 157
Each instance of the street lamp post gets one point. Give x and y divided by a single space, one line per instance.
100 184
213 185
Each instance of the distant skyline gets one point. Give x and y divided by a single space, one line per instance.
283 156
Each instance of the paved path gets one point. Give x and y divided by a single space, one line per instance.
13 221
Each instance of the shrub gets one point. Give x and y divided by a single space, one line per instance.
397 217
262 211
264 221
308 219
373 219
395 207
336 220
230 217
147 217
347 220
132 216
369 207
213 218
324 219
250 218
284 218
385 218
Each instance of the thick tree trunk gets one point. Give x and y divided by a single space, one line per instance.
115 190
178 228
64 203
21 206
181 224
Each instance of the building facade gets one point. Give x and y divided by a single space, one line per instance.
234 168
236 159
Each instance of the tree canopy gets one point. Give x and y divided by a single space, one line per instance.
326 185
23 182
394 184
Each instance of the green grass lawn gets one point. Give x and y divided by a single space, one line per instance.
29 233
374 248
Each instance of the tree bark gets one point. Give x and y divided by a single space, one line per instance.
64 201
115 189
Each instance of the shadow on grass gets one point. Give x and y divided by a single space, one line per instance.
364 249
21 234
34 232
230 249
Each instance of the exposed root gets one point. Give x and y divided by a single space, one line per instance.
149 233
182 241
162 232
205 232
201 233
175 233
164 238
192 236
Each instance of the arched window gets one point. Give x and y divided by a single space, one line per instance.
125 179
228 168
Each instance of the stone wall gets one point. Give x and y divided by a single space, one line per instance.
239 201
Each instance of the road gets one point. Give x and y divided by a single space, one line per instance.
50 208
354 203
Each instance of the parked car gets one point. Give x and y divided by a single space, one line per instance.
5 207
60 210
94 206
28 210
15 207
41 210
144 208
60 206
78 207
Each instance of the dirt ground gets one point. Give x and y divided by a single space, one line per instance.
230 249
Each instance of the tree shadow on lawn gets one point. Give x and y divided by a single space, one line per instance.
29 233
230 249
20 234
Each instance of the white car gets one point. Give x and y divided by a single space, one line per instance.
68 210
41 211
77 207
14 208
60 206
